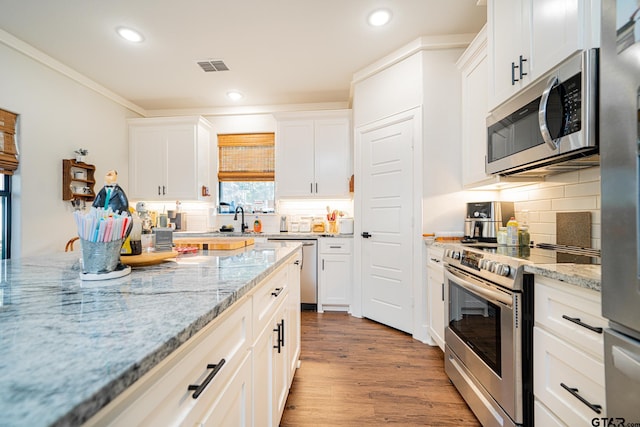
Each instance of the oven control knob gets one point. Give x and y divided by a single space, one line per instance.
455 254
488 265
503 270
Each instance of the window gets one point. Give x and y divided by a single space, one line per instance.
8 164
246 170
5 216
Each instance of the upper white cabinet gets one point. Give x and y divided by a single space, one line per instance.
509 48
473 69
169 158
527 38
313 154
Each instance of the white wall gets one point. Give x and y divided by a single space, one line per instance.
57 116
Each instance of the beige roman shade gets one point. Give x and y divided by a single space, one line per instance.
246 157
8 152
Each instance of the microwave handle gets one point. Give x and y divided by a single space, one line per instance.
542 114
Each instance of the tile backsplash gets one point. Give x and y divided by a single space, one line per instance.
536 205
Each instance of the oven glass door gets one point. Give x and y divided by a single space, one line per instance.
477 322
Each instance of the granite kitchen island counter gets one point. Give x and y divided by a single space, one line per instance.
68 347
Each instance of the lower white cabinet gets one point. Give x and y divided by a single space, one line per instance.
335 277
270 368
568 355
236 371
435 295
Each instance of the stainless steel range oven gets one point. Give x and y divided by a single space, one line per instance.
489 335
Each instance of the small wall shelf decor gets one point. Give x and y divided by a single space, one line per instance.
77 181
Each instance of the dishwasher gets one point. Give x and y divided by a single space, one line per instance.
309 273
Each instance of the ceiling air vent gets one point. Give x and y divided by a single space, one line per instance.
213 65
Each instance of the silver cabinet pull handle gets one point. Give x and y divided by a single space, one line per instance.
542 115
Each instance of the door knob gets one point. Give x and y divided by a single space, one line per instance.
366 235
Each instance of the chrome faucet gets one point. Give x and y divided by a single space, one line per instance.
243 226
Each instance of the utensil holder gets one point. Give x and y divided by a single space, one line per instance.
100 257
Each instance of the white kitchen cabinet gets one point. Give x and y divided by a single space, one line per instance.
270 366
474 71
162 396
293 322
568 351
527 38
335 277
435 294
252 344
169 158
313 154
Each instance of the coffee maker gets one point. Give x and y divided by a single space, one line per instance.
484 219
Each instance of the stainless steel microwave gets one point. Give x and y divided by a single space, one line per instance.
550 126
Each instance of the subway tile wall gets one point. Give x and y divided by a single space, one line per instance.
536 205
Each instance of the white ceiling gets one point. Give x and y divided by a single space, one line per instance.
278 51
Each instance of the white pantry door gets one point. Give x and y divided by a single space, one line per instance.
387 212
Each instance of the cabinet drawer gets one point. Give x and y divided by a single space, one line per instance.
435 255
556 363
543 417
231 406
267 299
335 246
572 314
162 396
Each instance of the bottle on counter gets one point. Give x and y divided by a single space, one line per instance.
512 232
257 225
523 235
502 236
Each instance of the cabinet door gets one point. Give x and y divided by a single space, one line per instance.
181 181
556 32
263 377
295 158
293 326
508 24
147 164
280 365
474 115
435 284
332 159
334 280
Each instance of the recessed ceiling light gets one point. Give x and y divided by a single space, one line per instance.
379 17
130 34
234 95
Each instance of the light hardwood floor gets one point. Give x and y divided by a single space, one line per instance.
356 372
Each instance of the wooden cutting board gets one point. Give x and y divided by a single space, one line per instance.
215 243
147 258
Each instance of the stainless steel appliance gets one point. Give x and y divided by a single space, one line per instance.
489 333
620 192
309 273
550 126
484 219
179 219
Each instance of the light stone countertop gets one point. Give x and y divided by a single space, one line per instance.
268 235
68 347
586 276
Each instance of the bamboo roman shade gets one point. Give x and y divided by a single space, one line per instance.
246 157
8 152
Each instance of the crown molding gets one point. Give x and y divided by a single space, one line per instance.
44 59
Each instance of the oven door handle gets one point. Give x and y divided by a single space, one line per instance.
481 290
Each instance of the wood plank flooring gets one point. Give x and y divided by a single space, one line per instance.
356 372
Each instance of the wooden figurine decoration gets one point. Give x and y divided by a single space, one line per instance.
112 195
